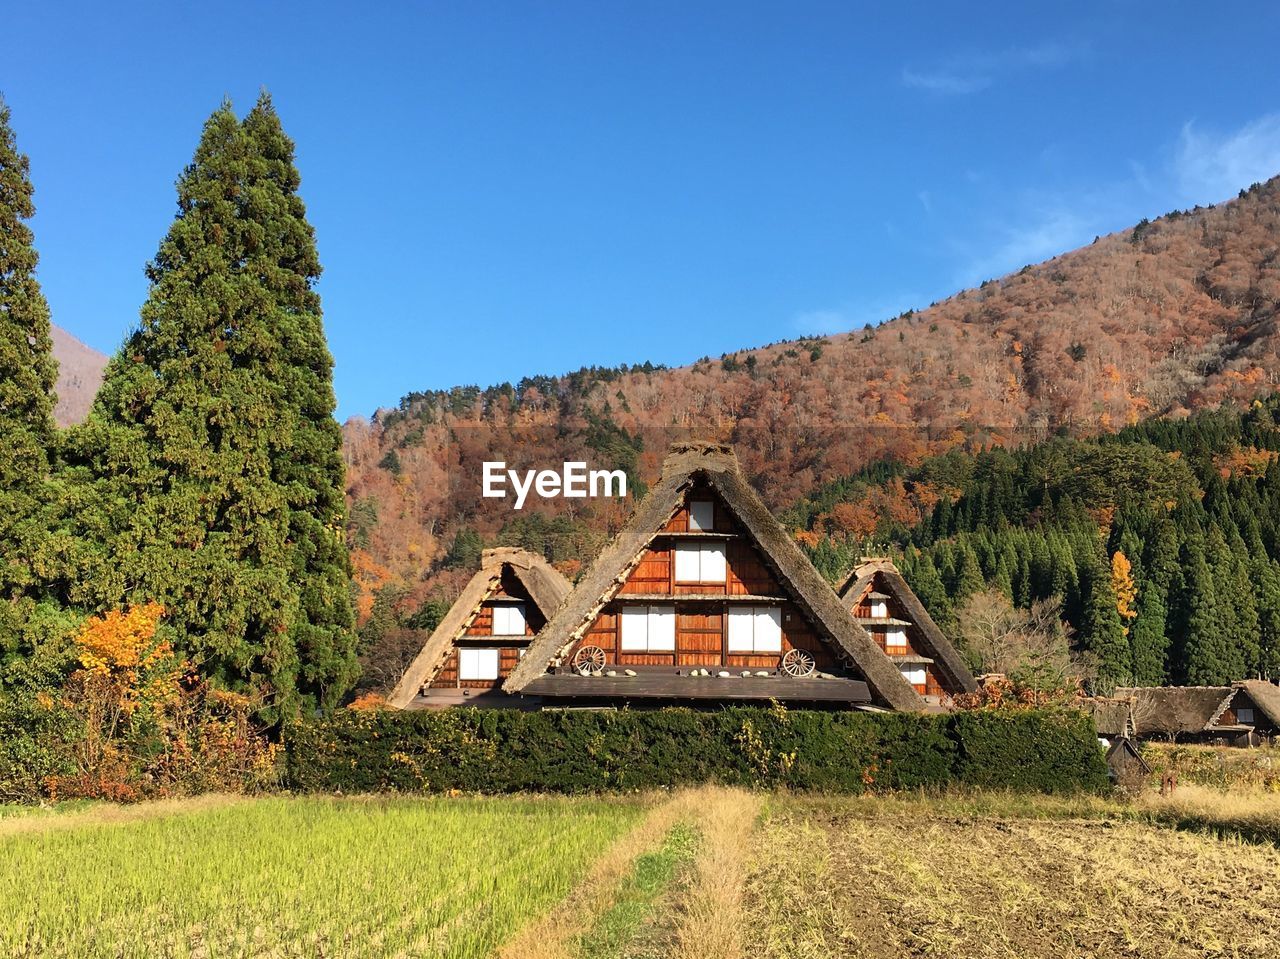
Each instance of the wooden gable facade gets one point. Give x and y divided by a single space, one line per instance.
879 598
712 602
703 597
497 636
484 635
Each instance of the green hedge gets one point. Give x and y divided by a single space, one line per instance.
498 751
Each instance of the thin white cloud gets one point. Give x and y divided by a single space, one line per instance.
855 314
972 73
1212 167
820 321
1201 168
1041 232
952 84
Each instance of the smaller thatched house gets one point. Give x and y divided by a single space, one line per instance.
1242 714
484 635
878 597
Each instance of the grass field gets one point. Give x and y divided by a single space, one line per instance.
702 874
305 877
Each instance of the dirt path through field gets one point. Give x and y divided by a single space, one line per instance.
707 926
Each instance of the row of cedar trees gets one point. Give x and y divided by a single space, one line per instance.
208 477
1163 541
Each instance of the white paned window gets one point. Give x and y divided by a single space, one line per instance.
1244 715
913 674
702 516
895 639
508 619
879 609
755 629
700 563
648 629
477 664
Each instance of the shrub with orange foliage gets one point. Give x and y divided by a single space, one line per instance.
143 726
369 702
1001 693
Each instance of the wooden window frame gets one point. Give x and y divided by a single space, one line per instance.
911 668
474 651
648 648
755 612
700 548
699 528
512 604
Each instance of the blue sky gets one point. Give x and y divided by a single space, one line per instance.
502 189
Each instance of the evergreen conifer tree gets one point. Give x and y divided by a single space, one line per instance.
211 459
969 578
1202 640
1102 631
926 582
27 376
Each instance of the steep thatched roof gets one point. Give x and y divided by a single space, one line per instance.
882 574
1266 696
1173 710
546 587
716 465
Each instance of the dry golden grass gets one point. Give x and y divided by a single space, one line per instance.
109 814
708 920
888 878
1253 815
711 919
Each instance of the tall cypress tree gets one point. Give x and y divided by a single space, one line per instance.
212 451
1102 631
27 377
1201 642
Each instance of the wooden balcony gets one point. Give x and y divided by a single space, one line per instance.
667 598
671 685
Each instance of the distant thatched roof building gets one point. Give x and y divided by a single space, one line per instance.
1113 717
1241 712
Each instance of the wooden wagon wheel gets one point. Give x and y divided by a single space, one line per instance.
799 663
589 661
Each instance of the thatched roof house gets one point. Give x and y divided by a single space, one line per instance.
878 597
1241 713
704 597
488 628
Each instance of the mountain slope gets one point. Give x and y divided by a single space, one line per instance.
79 376
1174 315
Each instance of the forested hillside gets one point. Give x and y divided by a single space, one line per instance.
1162 541
1174 315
